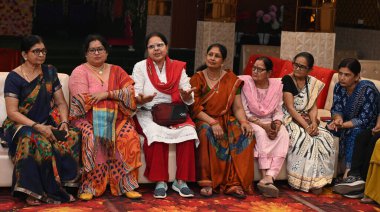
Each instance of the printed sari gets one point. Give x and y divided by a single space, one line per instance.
361 108
41 167
226 163
110 144
310 159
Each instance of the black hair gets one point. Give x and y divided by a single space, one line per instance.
309 58
94 37
29 41
352 64
155 34
222 49
267 62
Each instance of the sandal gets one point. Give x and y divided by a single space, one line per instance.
206 191
32 201
237 192
367 200
268 189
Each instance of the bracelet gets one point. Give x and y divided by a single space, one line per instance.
64 122
215 122
34 124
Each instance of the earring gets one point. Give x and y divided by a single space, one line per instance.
25 58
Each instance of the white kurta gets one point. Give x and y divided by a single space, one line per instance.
153 131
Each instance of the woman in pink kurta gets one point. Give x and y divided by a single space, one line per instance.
262 101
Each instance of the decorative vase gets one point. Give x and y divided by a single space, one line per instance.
263 38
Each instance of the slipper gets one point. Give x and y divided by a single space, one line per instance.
206 191
32 201
367 200
268 189
236 191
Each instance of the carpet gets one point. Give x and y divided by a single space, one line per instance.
289 200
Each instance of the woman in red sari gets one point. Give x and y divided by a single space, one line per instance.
225 153
102 106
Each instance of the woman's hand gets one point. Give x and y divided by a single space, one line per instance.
45 130
247 129
313 129
376 129
142 99
271 133
96 97
217 131
65 126
338 121
186 94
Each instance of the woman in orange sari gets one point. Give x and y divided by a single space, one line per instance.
225 152
102 106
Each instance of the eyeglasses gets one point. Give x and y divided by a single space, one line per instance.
258 70
299 66
100 50
159 45
37 52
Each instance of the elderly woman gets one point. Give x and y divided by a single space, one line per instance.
354 110
160 80
43 161
102 106
225 159
311 155
262 101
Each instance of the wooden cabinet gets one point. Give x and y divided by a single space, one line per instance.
159 7
315 15
220 10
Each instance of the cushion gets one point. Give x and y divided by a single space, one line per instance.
325 75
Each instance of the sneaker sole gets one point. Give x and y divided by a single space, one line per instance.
180 193
348 188
159 197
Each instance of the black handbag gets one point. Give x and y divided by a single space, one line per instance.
168 114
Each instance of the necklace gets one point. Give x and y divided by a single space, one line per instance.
98 70
214 79
215 88
24 74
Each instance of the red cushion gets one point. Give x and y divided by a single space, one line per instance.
9 59
325 75
287 68
277 64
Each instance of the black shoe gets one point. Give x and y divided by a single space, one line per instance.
349 184
355 195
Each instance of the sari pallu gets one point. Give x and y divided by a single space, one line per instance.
361 107
41 167
310 159
227 163
111 146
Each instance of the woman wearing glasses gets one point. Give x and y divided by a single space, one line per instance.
102 105
42 163
262 101
311 155
224 159
159 79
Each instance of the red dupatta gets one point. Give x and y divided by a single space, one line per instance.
171 87
173 75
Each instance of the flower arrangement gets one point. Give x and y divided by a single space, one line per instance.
268 22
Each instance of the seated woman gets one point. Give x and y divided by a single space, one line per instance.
225 159
42 163
372 191
354 110
262 101
160 79
311 155
102 105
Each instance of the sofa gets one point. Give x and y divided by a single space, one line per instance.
7 166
